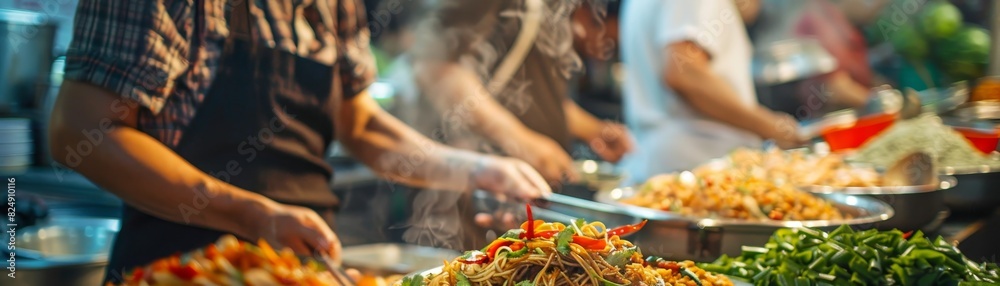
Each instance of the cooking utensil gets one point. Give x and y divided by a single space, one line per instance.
390 259
913 205
976 192
64 251
704 239
335 269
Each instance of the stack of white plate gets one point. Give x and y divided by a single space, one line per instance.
15 144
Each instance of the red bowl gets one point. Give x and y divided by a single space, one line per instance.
986 142
846 138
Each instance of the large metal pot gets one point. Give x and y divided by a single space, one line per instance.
25 58
976 191
64 251
915 207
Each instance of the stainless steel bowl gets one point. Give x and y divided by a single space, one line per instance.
700 239
915 207
976 191
64 251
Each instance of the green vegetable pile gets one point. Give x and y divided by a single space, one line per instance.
846 257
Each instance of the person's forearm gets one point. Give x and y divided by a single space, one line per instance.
846 92
464 102
581 123
139 169
711 95
394 151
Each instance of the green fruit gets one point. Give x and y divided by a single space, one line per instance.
909 43
965 54
939 20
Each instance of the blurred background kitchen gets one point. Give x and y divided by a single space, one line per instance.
812 59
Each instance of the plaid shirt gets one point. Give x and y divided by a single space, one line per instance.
163 54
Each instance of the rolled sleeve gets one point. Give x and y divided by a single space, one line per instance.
355 59
700 22
133 48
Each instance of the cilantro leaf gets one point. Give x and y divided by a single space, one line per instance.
563 239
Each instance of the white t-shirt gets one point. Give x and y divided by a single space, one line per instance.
670 134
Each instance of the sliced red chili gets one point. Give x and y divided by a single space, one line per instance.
137 275
626 229
491 252
184 272
541 234
590 243
907 234
531 223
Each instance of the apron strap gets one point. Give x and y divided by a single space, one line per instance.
240 22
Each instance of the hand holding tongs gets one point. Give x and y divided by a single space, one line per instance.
335 269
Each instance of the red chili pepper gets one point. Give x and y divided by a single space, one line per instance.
542 234
137 275
184 272
517 246
476 257
626 229
590 243
491 252
531 223
907 234
669 265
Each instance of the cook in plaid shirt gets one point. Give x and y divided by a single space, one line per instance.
141 71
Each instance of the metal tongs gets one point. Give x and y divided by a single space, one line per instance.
335 269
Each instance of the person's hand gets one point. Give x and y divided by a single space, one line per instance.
509 177
298 228
613 142
786 134
546 156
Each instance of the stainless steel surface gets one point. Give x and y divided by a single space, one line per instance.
25 58
976 192
437 270
863 210
792 59
944 100
984 110
943 183
598 175
67 251
911 204
914 169
702 239
389 259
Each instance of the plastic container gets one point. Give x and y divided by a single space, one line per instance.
986 142
846 138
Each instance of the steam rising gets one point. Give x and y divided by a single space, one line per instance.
443 219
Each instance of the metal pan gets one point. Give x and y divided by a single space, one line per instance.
911 204
677 237
864 211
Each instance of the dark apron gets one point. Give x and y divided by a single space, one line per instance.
264 126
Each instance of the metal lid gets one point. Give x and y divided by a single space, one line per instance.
22 17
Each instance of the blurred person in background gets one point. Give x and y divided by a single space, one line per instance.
836 24
207 118
469 101
689 95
